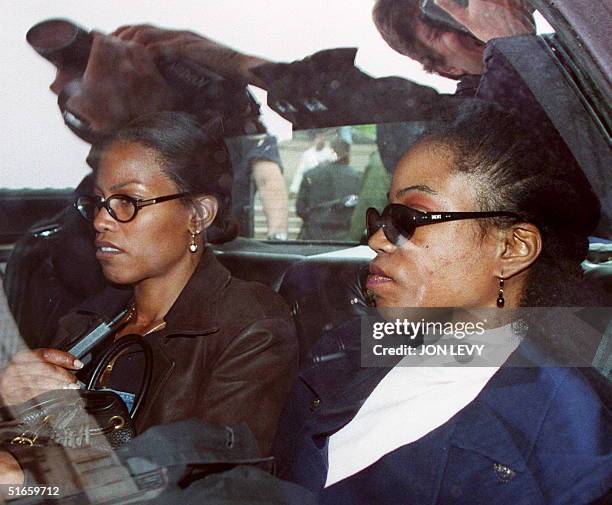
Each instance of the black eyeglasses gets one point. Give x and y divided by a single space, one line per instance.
122 208
398 220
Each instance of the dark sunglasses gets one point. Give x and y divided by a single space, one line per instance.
398 220
122 208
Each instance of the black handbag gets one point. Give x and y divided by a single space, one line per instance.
78 418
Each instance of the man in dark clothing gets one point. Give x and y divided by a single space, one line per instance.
327 196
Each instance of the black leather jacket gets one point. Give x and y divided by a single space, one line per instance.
228 353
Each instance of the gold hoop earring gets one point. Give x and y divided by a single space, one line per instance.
193 245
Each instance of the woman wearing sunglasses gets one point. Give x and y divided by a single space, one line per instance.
480 216
224 350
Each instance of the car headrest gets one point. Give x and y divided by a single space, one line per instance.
264 267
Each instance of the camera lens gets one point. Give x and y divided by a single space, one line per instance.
51 35
62 42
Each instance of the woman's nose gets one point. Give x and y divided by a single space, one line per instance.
380 243
103 220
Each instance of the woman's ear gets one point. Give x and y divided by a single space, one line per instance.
520 246
205 211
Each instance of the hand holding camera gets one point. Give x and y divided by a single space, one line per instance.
104 81
167 45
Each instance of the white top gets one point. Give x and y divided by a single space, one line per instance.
310 159
408 403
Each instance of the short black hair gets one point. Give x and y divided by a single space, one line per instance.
342 148
192 155
514 171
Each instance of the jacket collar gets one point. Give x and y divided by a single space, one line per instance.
196 309
482 426
193 313
337 378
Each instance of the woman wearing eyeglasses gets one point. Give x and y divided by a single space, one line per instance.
224 350
479 216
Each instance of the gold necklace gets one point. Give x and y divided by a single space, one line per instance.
158 326
128 317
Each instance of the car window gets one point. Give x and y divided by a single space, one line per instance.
270 171
43 160
265 210
323 172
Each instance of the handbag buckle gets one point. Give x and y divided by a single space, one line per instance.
25 438
117 422
28 438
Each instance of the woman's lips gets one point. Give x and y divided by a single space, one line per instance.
376 280
106 250
377 277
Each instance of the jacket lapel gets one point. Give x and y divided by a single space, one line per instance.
195 311
494 425
479 429
335 412
338 380
193 314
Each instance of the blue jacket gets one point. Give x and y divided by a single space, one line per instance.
534 435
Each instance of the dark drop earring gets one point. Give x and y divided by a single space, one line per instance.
500 295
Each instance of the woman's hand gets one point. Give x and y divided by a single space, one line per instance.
10 471
489 19
32 373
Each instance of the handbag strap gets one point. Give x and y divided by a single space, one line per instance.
113 351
